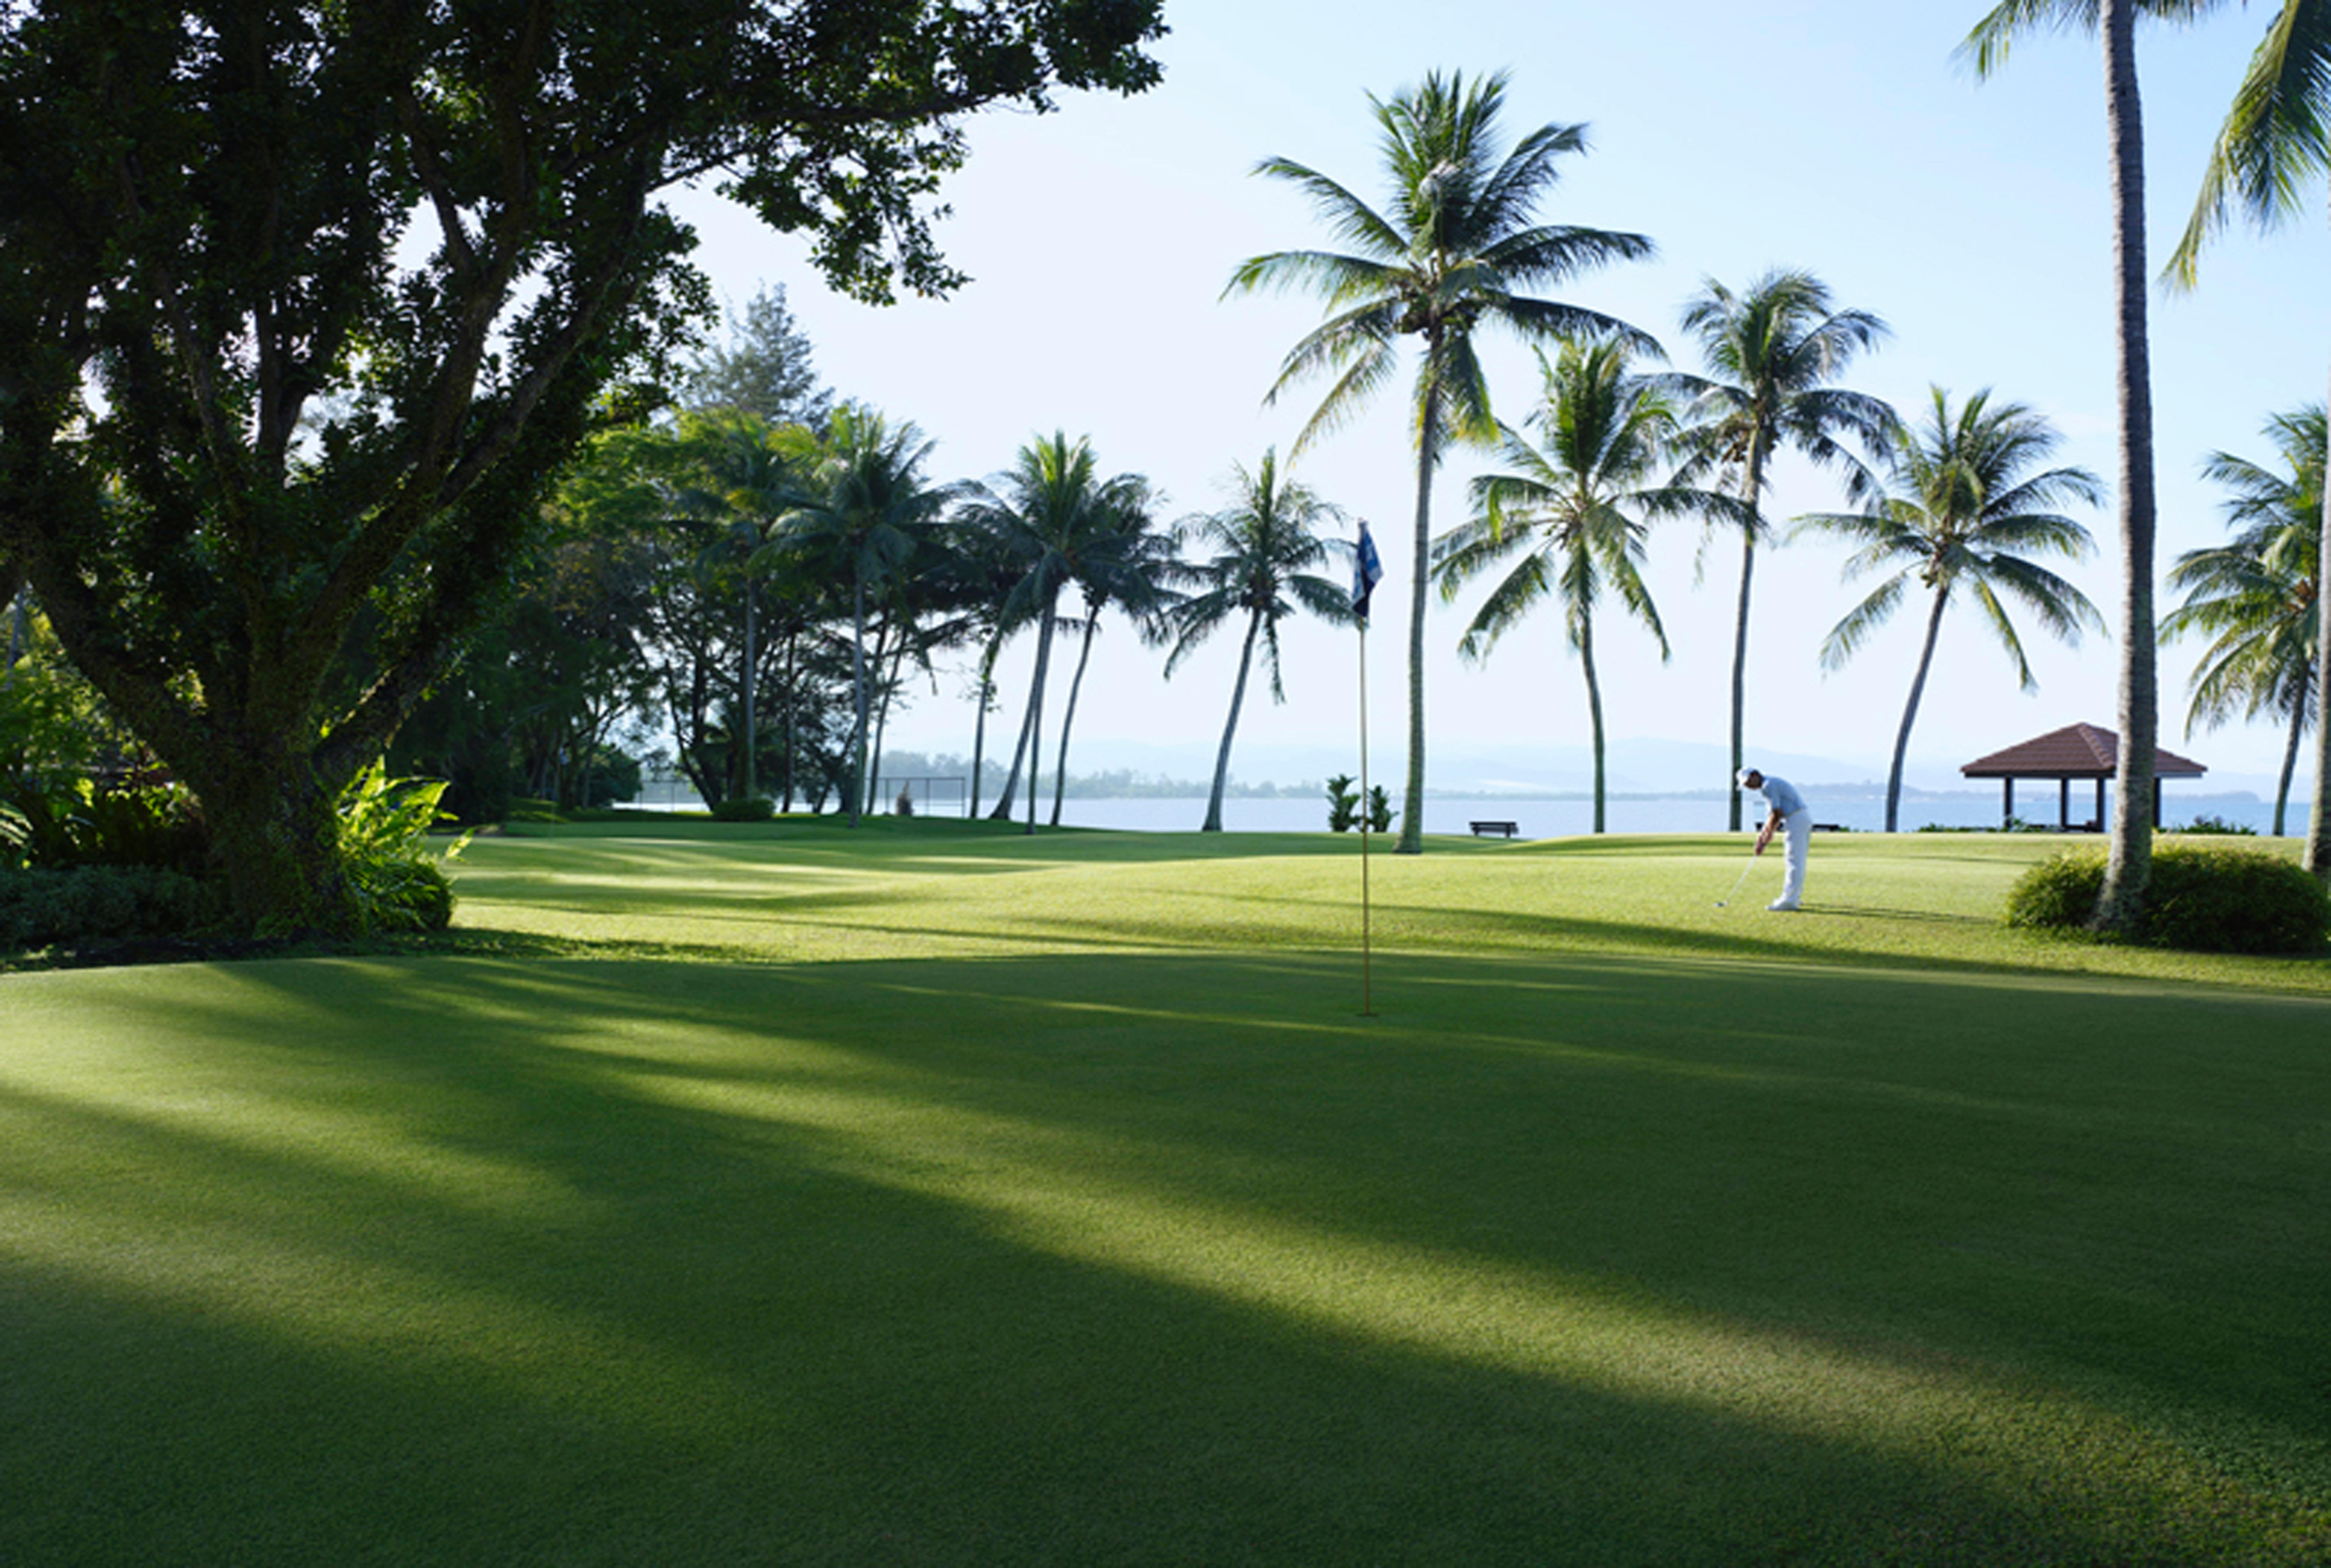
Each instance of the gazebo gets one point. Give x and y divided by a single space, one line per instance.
2077 751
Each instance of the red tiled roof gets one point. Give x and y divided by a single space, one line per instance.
2075 751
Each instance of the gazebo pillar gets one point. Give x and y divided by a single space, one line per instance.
2007 803
2063 805
2103 823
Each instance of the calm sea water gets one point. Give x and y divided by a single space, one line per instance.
1554 819
1549 819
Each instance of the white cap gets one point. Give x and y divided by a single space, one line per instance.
1745 774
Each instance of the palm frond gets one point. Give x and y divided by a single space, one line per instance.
2277 138
1845 639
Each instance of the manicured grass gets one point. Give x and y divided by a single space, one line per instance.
1048 1201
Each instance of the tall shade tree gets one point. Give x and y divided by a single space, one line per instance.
2275 145
1134 566
2259 597
1560 513
2120 906
1454 249
1264 545
742 474
1050 515
1774 351
1967 507
303 303
865 511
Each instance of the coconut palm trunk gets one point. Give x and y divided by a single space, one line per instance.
1213 822
2318 831
1910 712
1068 717
979 727
1752 489
858 685
1593 707
1428 456
2120 905
2289 757
752 656
1036 710
882 718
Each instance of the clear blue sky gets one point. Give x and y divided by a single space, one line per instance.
1832 135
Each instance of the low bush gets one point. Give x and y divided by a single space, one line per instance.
744 809
2200 898
77 906
2222 826
384 826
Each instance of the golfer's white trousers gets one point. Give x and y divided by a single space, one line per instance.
1799 826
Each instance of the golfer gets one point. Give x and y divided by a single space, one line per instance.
1787 809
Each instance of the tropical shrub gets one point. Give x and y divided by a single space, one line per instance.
398 881
1343 804
2201 899
744 809
83 823
2220 826
76 906
1379 809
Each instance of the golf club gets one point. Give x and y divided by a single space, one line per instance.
1728 898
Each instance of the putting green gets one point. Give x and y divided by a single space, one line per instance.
1066 1210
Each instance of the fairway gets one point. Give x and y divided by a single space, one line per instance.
937 1195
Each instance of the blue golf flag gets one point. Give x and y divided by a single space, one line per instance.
1367 571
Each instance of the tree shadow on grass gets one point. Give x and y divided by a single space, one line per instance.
1115 1258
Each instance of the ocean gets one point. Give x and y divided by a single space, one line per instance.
1563 818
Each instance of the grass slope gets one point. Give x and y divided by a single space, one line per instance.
1066 1211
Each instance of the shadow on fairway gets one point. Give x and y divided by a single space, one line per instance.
1113 1259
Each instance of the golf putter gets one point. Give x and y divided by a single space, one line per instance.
1728 898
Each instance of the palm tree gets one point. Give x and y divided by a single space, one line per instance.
2259 596
2120 905
1049 515
1133 565
1773 350
1562 507
743 473
2275 140
1457 240
1966 512
1265 544
864 510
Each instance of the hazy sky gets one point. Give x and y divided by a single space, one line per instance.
1837 136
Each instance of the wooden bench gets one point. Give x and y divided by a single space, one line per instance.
1504 830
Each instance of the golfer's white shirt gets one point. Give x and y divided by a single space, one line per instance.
1797 827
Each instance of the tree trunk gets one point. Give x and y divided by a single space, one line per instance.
1036 711
857 780
1593 704
1003 812
1752 487
979 728
2290 752
793 706
1068 717
1428 444
1910 711
883 721
752 679
1213 822
2318 830
2120 905
275 825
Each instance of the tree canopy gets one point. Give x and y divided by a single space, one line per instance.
304 304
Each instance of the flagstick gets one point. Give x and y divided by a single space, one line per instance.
1367 1007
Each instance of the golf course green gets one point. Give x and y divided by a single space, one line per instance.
935 1193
